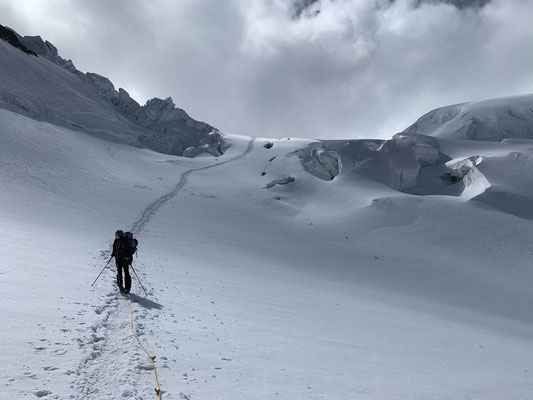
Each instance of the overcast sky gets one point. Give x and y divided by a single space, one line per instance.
327 69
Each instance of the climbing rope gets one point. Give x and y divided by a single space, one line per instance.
152 358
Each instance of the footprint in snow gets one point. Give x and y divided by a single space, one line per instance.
42 393
144 367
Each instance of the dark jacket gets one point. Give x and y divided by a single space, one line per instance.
121 250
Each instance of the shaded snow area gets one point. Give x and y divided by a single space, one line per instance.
316 288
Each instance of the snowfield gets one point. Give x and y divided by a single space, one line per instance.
290 268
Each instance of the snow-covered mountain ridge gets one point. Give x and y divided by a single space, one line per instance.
489 120
158 124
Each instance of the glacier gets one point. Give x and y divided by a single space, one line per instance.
275 268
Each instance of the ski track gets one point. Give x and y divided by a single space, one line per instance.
112 352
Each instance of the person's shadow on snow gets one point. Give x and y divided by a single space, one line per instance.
144 302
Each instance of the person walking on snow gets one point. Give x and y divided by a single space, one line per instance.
123 258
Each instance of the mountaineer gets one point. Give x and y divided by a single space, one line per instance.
124 247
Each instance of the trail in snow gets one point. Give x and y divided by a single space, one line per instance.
138 226
115 366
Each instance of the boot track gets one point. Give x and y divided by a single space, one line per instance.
112 369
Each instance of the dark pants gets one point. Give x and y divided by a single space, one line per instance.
123 265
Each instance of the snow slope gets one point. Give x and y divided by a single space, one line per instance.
290 268
61 190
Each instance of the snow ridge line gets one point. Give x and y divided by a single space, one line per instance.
152 208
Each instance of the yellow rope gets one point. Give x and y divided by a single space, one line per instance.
152 358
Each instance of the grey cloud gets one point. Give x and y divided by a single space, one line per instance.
300 7
312 7
461 4
357 68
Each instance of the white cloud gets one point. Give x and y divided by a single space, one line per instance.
358 68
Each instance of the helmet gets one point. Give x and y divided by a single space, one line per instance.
119 233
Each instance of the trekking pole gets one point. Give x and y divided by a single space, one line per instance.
102 271
138 279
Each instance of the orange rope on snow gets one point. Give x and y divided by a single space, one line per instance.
152 358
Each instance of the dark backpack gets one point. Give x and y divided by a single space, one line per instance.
131 243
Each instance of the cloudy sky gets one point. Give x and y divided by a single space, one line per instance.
315 68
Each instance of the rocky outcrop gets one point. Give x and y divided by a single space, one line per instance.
173 130
12 38
45 49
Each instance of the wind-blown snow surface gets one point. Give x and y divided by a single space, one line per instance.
314 288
